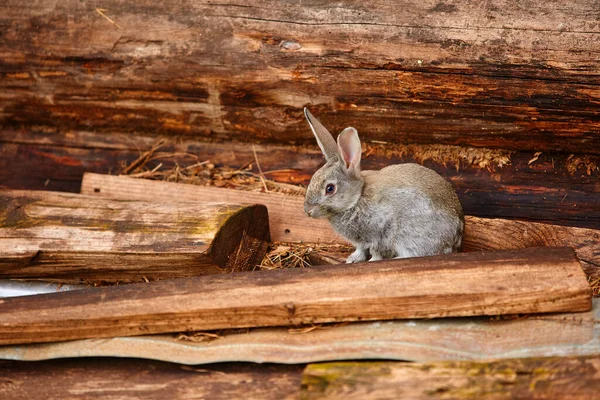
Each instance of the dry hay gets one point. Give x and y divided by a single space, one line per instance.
482 158
205 173
583 164
594 282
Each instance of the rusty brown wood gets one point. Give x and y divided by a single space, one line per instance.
71 237
533 280
483 74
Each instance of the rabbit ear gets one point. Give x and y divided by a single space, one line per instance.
349 148
324 138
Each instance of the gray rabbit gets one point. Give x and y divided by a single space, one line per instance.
403 210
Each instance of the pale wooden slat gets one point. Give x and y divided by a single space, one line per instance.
488 283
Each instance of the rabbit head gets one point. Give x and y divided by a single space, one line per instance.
337 186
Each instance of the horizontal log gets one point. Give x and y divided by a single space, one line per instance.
539 378
565 334
480 74
550 189
71 237
127 379
506 282
288 222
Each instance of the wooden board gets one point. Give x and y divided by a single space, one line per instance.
127 379
70 237
534 280
482 338
288 222
482 74
555 187
539 378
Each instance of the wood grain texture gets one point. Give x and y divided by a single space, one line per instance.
538 378
483 74
126 379
288 222
534 280
70 237
475 338
554 189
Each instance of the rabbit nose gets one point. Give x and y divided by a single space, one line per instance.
308 209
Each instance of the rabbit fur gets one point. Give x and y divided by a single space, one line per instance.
403 210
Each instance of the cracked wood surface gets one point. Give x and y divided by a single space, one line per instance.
289 223
535 280
71 237
484 74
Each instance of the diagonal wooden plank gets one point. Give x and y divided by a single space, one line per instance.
533 280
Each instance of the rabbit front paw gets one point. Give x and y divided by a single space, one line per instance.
359 255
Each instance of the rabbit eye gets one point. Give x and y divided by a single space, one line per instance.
330 189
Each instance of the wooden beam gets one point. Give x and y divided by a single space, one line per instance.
474 338
288 223
539 378
129 379
70 237
490 283
555 188
482 74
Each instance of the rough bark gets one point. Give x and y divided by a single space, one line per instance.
492 283
483 74
72 237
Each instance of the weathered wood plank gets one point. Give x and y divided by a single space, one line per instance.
550 189
288 222
487 73
539 378
70 237
569 334
490 283
127 379
287 219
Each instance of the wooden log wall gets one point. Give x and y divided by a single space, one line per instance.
501 80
